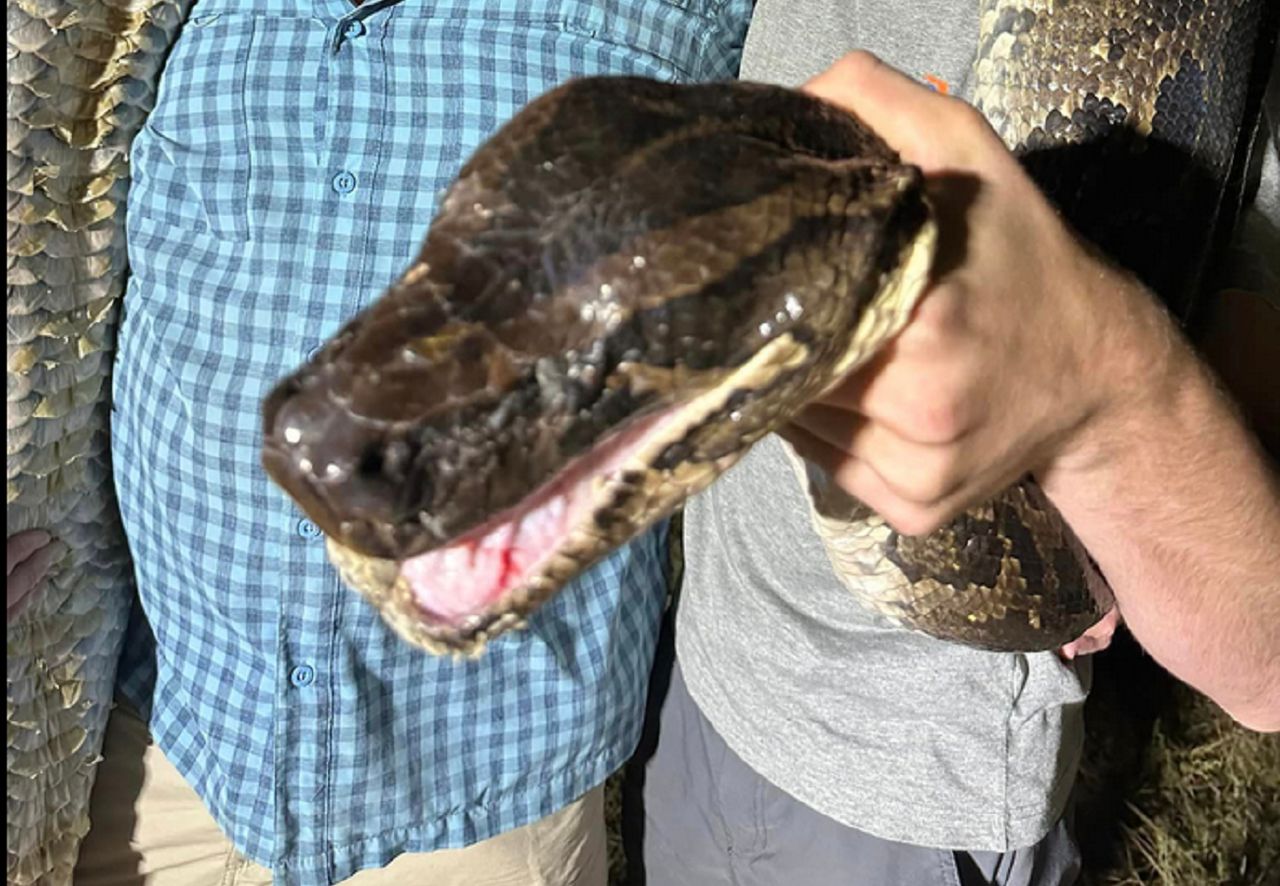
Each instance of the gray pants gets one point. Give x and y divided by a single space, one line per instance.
695 814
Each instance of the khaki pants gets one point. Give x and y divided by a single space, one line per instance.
149 828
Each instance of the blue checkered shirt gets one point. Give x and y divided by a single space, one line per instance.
287 174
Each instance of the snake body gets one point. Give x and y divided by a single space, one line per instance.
632 282
1132 115
82 75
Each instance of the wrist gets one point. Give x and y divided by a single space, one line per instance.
1136 371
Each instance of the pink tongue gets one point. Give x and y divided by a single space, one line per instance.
465 578
453 582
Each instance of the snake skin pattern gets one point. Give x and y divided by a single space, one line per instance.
1128 113
82 76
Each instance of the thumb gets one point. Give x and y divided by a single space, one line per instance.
906 114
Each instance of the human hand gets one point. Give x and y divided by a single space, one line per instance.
1011 351
1096 639
28 556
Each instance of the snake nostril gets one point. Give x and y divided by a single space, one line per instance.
388 461
371 463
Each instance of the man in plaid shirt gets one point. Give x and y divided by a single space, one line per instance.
287 174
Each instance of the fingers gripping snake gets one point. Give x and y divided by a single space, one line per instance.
633 282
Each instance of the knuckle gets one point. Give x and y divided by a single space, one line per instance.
856 63
938 419
907 518
931 486
926 335
965 115
940 329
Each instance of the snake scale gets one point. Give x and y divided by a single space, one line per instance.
1154 86
633 282
82 77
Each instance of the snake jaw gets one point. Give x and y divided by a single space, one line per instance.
601 501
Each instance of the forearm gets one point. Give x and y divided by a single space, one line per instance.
1176 500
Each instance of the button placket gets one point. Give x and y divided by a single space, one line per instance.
309 672
347 162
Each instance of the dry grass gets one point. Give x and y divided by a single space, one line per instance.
1210 811
1200 803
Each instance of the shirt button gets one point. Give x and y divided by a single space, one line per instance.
302 675
354 28
308 530
312 353
344 182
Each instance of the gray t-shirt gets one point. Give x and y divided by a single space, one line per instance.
883 729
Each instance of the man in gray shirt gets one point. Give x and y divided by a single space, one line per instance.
802 738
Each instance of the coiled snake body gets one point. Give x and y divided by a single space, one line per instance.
82 78
633 282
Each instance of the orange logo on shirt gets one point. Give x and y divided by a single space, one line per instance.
936 83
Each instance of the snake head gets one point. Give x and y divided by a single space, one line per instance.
627 287
391 437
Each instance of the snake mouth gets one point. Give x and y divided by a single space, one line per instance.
455 585
454 598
